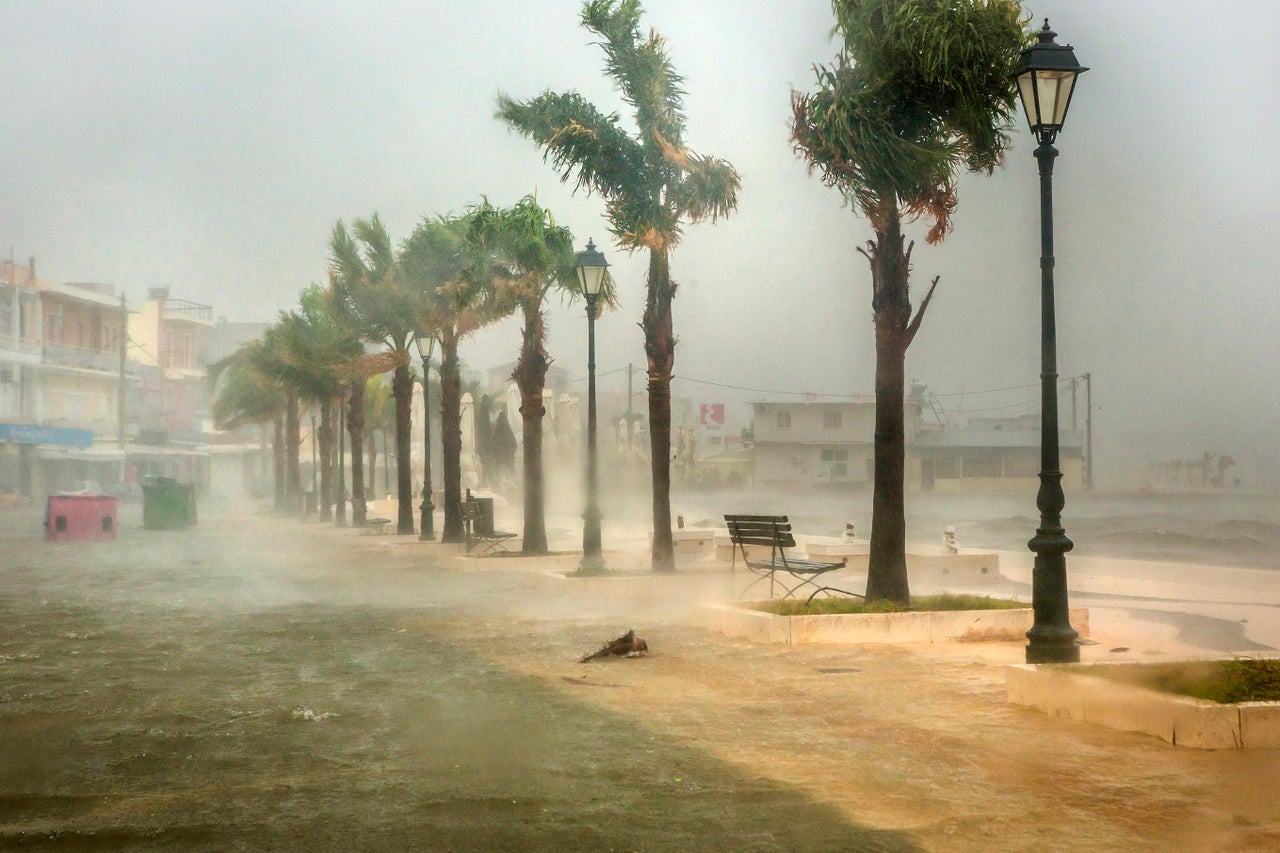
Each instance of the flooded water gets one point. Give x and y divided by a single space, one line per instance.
261 683
239 687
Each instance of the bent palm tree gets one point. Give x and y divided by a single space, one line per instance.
918 92
376 300
651 183
243 395
533 256
449 261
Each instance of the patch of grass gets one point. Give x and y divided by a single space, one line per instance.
835 605
1241 680
601 572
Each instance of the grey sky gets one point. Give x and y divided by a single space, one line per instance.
211 147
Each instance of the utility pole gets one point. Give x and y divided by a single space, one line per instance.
1088 431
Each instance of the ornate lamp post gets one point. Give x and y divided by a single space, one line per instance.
315 488
427 521
591 272
1046 77
340 510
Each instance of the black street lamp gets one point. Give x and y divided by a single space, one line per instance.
340 509
315 489
591 272
426 522
1046 77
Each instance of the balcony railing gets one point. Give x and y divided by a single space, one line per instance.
85 359
181 309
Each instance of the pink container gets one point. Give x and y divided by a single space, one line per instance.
80 518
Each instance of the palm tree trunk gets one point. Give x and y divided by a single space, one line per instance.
402 390
278 454
293 440
451 438
373 463
891 306
355 428
660 347
326 459
531 377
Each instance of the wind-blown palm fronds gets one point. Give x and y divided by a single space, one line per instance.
652 184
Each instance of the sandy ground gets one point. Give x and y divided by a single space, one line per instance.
261 683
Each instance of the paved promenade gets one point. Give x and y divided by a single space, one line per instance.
262 683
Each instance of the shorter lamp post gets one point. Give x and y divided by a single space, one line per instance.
340 509
315 488
591 272
427 521
1046 76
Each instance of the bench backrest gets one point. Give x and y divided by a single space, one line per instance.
771 530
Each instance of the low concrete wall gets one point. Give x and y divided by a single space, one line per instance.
936 566
942 626
1068 691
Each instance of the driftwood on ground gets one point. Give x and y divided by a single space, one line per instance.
628 645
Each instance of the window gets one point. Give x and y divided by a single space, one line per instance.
944 468
835 454
831 420
784 419
1022 465
982 466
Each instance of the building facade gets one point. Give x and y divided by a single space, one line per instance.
832 443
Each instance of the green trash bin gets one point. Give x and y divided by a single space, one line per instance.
168 504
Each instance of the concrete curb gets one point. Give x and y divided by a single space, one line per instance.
943 626
1067 691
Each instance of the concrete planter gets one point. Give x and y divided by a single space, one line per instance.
1068 691
942 626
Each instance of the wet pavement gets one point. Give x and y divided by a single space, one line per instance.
261 683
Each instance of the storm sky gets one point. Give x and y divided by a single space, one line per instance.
211 147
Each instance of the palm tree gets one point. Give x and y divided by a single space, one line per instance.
918 92
450 260
317 348
379 416
243 395
378 301
652 183
267 362
533 257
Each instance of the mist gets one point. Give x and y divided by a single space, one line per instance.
211 146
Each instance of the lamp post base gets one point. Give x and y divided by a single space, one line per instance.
425 523
592 552
1051 651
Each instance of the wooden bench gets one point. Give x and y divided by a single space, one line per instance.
479 529
775 531
374 526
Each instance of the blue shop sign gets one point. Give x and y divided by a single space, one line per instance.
33 434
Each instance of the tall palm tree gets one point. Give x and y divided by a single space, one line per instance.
651 183
379 416
918 92
242 395
533 257
317 346
450 260
377 299
268 362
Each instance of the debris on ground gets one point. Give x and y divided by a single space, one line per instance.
628 645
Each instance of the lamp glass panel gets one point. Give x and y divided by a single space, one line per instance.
591 278
1027 93
1066 80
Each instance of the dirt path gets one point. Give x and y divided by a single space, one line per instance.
264 685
